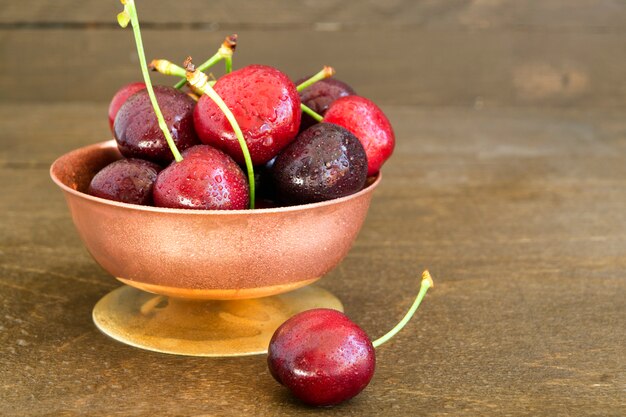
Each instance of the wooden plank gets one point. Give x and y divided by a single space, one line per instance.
550 15
518 213
412 66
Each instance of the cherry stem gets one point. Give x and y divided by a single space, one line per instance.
200 81
311 113
326 72
130 15
165 67
228 61
225 52
427 282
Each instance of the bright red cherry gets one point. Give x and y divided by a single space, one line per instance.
205 179
322 357
137 129
120 98
265 103
368 123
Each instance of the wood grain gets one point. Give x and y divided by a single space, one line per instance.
547 15
518 213
396 66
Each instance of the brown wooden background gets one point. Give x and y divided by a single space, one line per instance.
508 182
450 53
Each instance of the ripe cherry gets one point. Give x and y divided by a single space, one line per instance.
206 179
368 123
324 358
319 96
266 105
137 129
325 161
120 98
127 180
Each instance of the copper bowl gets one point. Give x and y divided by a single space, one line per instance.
208 254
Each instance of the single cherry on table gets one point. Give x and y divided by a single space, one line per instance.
324 358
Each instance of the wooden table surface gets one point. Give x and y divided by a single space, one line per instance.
508 183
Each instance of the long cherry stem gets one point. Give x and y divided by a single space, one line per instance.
311 113
225 52
427 282
199 80
130 15
326 72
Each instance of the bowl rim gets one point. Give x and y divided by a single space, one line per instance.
257 211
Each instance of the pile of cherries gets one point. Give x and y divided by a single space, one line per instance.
297 159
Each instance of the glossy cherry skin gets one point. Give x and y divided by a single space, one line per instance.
127 180
320 96
206 179
322 357
325 161
267 108
120 98
368 123
137 129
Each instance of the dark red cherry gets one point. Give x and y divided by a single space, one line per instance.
320 96
322 357
137 130
206 179
127 180
264 185
325 161
266 105
368 122
120 98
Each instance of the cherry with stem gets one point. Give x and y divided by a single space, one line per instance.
324 358
129 15
200 81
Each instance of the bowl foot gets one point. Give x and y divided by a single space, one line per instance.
202 328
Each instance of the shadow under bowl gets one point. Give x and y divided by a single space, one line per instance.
207 254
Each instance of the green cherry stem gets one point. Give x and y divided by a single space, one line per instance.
225 52
228 61
326 72
311 113
200 81
427 282
130 15
165 67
